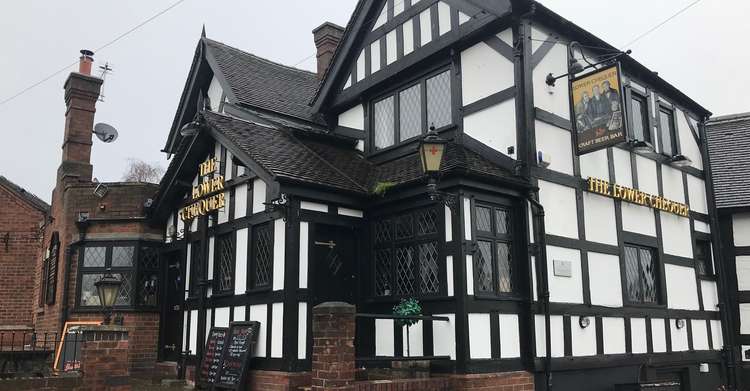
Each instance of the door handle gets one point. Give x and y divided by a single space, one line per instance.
170 347
176 307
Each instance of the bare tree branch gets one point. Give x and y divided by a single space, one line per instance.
140 171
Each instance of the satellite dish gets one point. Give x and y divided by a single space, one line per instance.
107 133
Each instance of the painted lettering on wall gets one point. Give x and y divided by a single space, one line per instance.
208 195
613 190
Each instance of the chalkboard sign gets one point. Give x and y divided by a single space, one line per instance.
240 341
68 354
211 361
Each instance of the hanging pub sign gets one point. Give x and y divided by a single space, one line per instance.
613 190
208 195
599 120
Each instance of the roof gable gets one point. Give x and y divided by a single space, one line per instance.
728 145
23 195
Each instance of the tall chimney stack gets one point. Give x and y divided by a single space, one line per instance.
81 94
327 37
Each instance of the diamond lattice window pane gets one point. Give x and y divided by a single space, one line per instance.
428 268
383 272
426 221
404 227
405 284
383 123
632 274
149 258
504 267
648 276
226 263
483 265
122 256
502 221
263 253
383 231
126 288
94 256
196 265
484 219
439 100
410 112
89 295
148 289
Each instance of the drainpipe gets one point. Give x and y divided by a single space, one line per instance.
82 227
537 211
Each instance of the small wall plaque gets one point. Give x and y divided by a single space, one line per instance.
562 268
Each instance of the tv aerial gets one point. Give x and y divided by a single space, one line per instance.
107 133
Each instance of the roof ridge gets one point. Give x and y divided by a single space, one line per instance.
30 197
259 57
728 118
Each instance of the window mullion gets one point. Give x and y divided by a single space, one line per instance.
396 118
423 91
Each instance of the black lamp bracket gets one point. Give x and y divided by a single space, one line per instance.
551 79
448 199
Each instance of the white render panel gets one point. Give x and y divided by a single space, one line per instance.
533 278
701 226
565 289
353 118
604 280
658 335
350 212
679 336
304 244
444 18
239 313
682 292
187 267
675 231
193 331
180 227
228 168
302 331
449 275
672 181
717 338
184 330
479 324
259 313
361 66
469 275
556 331
259 195
741 229
697 194
279 233
647 180
494 126
314 206
444 336
638 339
744 318
214 94
240 261
415 339
583 341
374 56
398 7
555 142
408 28
506 36
277 335
211 244
208 322
348 82
425 25
638 219
221 317
561 215
613 330
552 99
623 170
463 18
384 339
467 218
240 201
170 224
599 213
484 72
743 272
594 164
688 146
448 224
710 295
390 47
510 340
700 334
222 214
382 18
538 37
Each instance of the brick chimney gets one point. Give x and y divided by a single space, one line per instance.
81 94
327 37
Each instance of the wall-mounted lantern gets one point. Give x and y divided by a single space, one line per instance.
108 288
431 153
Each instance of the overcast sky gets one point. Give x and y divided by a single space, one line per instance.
700 52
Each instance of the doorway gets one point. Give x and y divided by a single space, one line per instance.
334 267
172 311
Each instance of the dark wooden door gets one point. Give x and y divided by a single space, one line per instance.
172 313
334 265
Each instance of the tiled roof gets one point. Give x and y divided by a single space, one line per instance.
729 152
264 84
22 193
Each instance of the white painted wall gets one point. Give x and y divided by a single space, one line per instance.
552 99
194 331
557 340
743 272
221 317
604 280
350 212
444 18
494 126
211 244
259 313
302 331
561 216
304 243
717 338
279 242
594 164
673 185
239 313
682 292
277 333
184 330
647 180
390 47
741 229
565 289
688 146
469 275
599 213
467 217
361 65
710 295
214 94
313 206
240 201
484 72
675 231
259 195
697 194
416 340
449 275
187 268
700 334
556 143
444 336
744 318
583 341
701 226
638 219
408 28
384 339
510 340
375 56
623 170
679 336
658 335
638 339
425 25
448 224
353 118
240 263
613 330
479 337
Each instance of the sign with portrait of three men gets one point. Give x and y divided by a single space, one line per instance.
598 109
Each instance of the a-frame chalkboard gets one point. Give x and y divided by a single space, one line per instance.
240 341
211 362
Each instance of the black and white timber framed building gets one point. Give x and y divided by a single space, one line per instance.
326 200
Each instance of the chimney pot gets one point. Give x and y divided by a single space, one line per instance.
327 37
86 59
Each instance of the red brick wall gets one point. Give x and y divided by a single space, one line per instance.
501 381
101 361
19 223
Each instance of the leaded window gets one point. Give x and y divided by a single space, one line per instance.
412 111
406 254
197 265
703 258
136 265
50 270
641 275
667 132
493 259
639 121
224 261
262 256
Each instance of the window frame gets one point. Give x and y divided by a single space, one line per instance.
251 286
645 120
395 93
48 292
672 124
232 237
495 237
710 271
658 263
